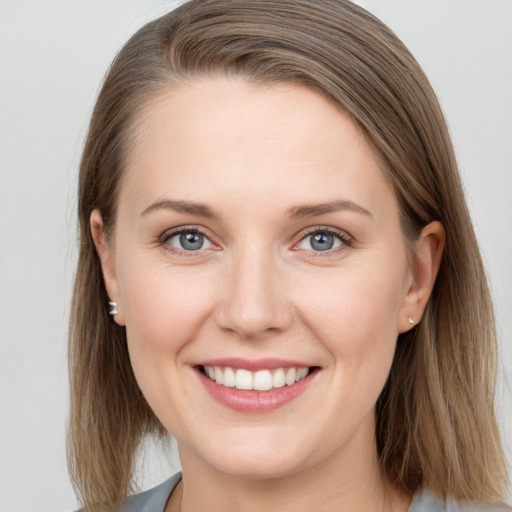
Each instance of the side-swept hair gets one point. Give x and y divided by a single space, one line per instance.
435 419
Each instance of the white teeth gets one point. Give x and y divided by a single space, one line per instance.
301 373
229 378
261 380
290 376
243 379
278 378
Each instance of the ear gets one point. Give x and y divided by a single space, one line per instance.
425 263
106 256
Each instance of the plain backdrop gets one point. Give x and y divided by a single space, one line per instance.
53 55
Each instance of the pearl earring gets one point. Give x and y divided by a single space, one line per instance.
113 308
410 320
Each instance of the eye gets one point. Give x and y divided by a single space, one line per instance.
322 240
188 240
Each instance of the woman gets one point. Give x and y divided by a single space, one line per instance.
271 213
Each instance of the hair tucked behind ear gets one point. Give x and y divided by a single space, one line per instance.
436 425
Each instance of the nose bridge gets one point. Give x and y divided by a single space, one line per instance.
255 301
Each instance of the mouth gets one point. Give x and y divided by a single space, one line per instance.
255 387
261 380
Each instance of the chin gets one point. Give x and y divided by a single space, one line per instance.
259 469
258 460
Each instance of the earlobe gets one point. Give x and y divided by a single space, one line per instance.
426 260
107 266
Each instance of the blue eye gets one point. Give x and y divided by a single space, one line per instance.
190 240
320 241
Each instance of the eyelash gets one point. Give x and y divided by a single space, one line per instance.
342 236
345 239
168 235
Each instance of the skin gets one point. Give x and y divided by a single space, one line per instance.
258 289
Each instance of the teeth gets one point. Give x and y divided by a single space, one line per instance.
290 376
301 373
228 379
262 380
278 378
243 379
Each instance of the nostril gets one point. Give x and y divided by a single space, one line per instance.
255 317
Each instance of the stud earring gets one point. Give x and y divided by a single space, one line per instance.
410 320
113 308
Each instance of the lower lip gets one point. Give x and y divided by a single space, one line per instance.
255 401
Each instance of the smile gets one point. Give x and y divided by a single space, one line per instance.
255 386
261 380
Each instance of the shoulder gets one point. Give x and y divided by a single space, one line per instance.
425 501
153 500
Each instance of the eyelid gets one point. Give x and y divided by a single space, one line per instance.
171 233
345 239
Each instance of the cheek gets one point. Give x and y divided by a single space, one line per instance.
354 312
164 307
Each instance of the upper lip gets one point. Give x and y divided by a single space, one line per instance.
253 364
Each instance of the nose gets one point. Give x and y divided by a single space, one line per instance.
255 302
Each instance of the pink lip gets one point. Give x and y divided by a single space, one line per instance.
254 401
253 365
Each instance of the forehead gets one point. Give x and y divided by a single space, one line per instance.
247 139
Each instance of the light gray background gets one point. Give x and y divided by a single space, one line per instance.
53 55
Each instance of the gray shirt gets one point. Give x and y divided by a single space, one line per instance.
155 499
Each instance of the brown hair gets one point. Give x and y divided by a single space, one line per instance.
436 425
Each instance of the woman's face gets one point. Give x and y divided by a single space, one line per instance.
256 234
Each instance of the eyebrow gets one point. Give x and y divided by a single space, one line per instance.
181 207
301 211
297 212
